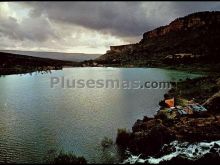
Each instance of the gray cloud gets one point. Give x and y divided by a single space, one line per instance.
184 8
118 18
59 21
37 29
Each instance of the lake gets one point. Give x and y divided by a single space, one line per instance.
35 118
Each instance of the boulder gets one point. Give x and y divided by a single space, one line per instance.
213 103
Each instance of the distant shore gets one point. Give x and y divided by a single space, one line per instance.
20 64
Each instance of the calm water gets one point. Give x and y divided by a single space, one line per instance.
35 118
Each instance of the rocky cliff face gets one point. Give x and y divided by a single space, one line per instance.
196 34
186 23
150 134
121 48
191 21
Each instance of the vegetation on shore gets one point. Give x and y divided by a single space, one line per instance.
63 158
198 89
19 64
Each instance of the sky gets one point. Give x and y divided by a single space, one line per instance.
86 27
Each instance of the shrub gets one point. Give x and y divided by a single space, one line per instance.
64 158
106 142
123 138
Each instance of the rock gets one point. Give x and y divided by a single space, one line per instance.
123 138
142 126
149 135
146 118
206 159
191 21
218 82
122 48
213 103
150 142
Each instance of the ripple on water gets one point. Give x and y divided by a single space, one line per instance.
35 118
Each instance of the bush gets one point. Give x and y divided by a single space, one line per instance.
106 142
123 138
64 158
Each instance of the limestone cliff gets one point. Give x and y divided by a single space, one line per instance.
121 48
197 34
189 22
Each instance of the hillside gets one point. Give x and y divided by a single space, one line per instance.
78 57
188 40
14 64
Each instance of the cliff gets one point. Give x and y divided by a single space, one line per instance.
121 48
197 34
191 21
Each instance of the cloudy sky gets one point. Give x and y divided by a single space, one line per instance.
85 27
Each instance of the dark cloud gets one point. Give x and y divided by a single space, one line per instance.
126 21
118 18
184 8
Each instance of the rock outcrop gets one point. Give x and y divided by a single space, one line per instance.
148 136
122 48
197 34
192 21
213 103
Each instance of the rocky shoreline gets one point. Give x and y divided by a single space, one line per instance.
21 70
149 135
182 153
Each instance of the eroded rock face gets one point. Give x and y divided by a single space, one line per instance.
213 103
149 135
122 48
192 21
174 26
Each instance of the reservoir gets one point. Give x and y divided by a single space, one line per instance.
35 118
